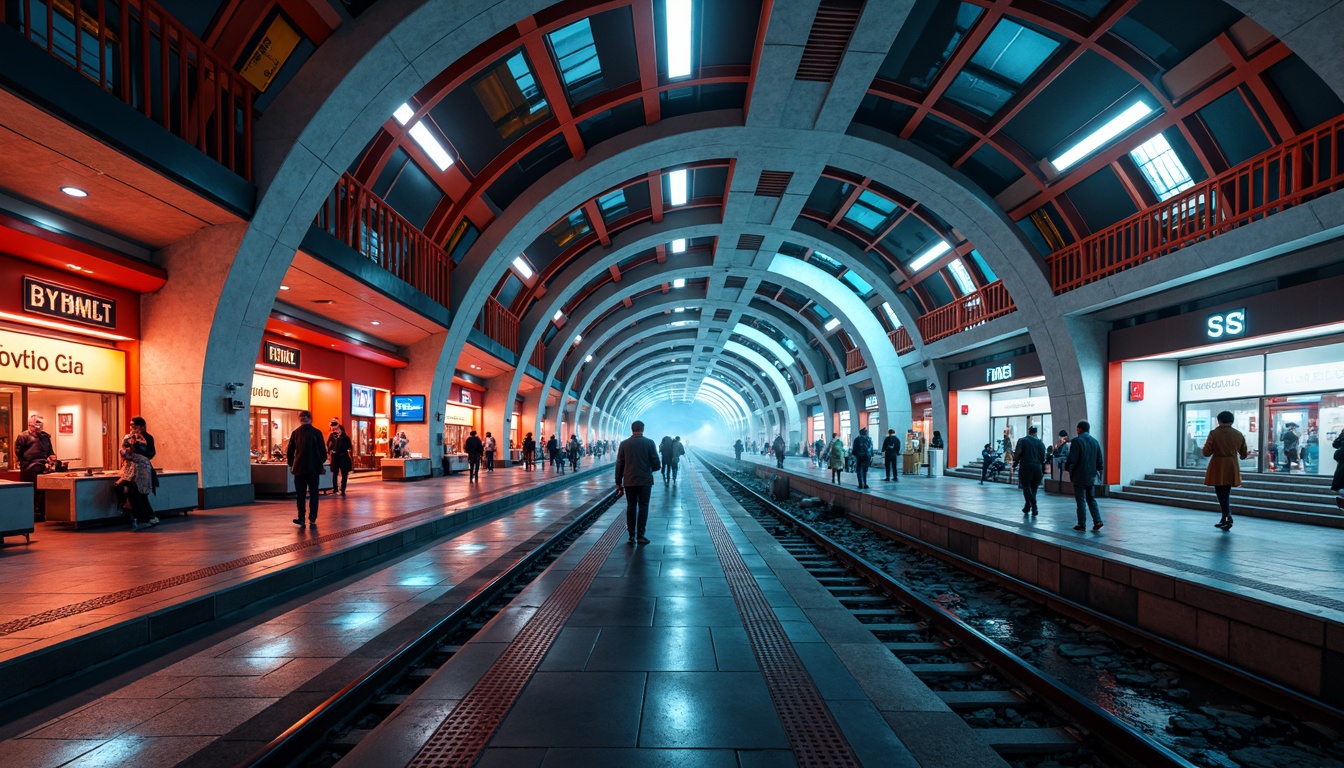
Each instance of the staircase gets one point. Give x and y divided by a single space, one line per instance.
1295 498
971 471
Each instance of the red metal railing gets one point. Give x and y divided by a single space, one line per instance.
807 381
499 324
1307 166
539 357
361 220
901 341
143 56
970 310
854 360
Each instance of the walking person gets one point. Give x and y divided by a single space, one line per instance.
137 477
891 454
737 449
1289 442
1029 456
529 452
1225 447
575 450
862 450
306 455
553 454
665 454
779 448
636 461
1084 466
475 448
836 457
35 456
1337 482
488 445
1061 454
678 450
339 447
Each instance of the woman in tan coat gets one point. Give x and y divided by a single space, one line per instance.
1225 449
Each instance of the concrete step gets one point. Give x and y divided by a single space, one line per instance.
1327 516
1269 477
1276 497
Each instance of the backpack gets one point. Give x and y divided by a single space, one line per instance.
863 447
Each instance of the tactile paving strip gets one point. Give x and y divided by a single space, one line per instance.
463 734
102 601
812 731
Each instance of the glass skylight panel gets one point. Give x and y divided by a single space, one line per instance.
678 182
576 54
527 84
1103 135
983 266
930 255
860 286
1161 167
830 264
832 324
613 206
404 113
679 245
891 315
677 21
523 269
1013 51
870 211
680 282
961 276
558 316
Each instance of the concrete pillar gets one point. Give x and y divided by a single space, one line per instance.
1084 399
496 412
420 376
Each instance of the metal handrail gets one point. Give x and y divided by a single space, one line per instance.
139 53
973 309
499 323
854 360
357 217
901 341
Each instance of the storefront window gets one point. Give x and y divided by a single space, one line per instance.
1201 418
844 426
1014 413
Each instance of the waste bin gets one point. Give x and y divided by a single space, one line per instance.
936 458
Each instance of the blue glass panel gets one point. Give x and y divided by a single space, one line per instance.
1013 51
576 53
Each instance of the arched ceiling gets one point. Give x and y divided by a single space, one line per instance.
988 98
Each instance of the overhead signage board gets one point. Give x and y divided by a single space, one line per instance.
275 392
42 362
281 355
41 297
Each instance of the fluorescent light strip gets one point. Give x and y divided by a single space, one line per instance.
578 339
833 323
524 270
679 245
558 316
680 282
1098 138
431 145
677 179
677 18
929 256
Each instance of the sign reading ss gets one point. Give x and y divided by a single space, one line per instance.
1226 325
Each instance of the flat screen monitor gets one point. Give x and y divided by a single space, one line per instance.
408 409
361 401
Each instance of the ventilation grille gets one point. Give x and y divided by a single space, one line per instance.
773 183
750 242
831 29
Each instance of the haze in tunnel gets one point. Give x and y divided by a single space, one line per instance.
697 423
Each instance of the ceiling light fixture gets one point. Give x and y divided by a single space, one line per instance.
420 132
558 316
74 191
677 16
680 282
929 256
1098 138
588 359
73 266
679 245
833 323
284 287
677 180
374 322
523 269
577 339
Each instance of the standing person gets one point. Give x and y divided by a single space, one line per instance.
819 452
306 454
636 461
678 450
489 446
1289 442
779 448
474 448
937 441
1225 447
665 457
1061 453
862 449
737 449
1337 482
575 452
35 456
400 446
339 447
1084 466
1029 456
988 456
1006 444
891 454
529 452
836 457
137 477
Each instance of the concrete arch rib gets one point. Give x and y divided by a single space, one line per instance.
634 368
646 382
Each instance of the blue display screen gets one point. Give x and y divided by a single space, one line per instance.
408 409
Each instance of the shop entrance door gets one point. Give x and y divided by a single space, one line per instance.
1294 438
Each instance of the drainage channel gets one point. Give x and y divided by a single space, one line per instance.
325 735
1036 719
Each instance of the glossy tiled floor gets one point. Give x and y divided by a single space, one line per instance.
219 701
1294 565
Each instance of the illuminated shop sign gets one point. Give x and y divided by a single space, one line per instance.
999 373
1226 325
361 400
456 414
44 362
870 403
279 354
1019 406
275 392
464 396
407 409
43 298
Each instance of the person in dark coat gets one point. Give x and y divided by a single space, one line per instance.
636 461
553 453
1084 466
1225 447
1289 441
891 456
575 450
529 452
1029 457
306 455
678 450
779 448
35 456
137 476
862 451
1337 483
737 449
339 446
665 451
474 449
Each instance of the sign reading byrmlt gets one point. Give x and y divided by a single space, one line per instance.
279 354
43 298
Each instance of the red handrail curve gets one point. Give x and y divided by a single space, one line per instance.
973 309
499 323
901 341
854 360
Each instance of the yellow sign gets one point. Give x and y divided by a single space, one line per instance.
275 392
271 53
456 414
43 362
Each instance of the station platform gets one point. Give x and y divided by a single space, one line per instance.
1252 596
73 599
708 647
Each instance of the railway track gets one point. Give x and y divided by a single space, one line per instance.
969 671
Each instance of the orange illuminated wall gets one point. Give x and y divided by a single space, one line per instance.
1115 386
953 410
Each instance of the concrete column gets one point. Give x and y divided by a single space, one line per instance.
420 376
1086 398
496 412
